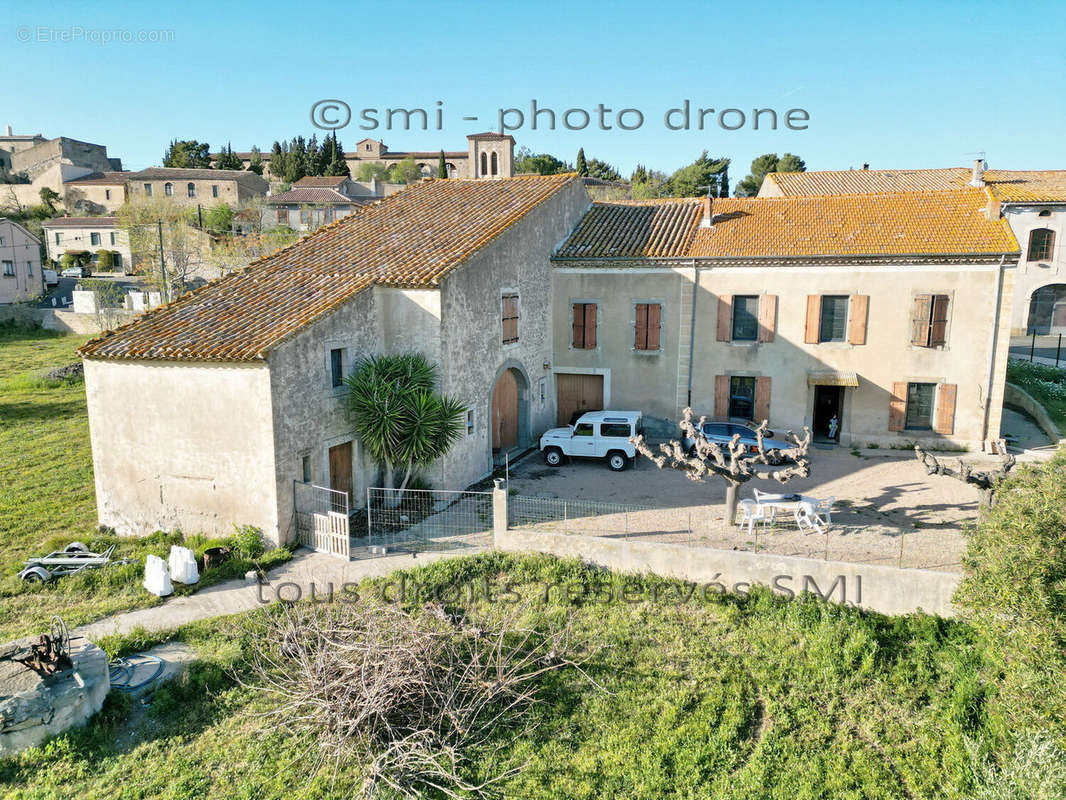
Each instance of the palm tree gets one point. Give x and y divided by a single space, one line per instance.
401 420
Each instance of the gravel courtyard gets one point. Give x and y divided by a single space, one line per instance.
888 511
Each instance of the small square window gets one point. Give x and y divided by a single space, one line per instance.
114 239
148 189
214 190
107 194
9 268
745 318
470 422
305 468
336 367
94 239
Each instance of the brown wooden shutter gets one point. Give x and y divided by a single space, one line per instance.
923 312
762 399
721 396
590 326
578 310
938 326
945 409
640 335
767 317
655 312
814 313
860 304
725 318
897 407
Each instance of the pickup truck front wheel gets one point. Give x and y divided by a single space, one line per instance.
553 456
617 460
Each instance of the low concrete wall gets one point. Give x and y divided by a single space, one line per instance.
877 588
1016 396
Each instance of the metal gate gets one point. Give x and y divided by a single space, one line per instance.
419 520
322 519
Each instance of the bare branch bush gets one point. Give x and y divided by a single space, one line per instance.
986 481
409 696
731 462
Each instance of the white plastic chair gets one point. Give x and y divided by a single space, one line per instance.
824 509
753 512
807 519
762 497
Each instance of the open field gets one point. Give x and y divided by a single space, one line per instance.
711 698
47 498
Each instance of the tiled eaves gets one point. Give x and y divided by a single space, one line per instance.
410 239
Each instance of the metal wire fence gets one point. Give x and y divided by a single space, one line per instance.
846 539
420 520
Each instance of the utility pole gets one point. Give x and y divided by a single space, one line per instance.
163 265
200 215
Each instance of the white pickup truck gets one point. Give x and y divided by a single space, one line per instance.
595 434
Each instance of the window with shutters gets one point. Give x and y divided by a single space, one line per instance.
833 320
647 326
510 318
114 239
742 397
929 323
584 326
745 318
920 406
283 216
1041 244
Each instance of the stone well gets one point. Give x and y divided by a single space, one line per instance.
34 707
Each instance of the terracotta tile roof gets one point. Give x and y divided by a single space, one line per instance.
181 174
314 195
873 225
108 178
410 239
655 229
80 222
320 182
1009 186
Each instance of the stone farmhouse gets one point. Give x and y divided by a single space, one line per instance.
890 311
88 235
194 187
1032 201
240 383
316 201
487 155
20 263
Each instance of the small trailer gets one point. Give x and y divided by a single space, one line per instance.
70 560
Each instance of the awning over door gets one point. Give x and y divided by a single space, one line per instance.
832 378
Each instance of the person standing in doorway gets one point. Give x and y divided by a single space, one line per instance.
834 423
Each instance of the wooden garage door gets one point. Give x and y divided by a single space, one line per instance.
577 393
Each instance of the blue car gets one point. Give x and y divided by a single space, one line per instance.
722 433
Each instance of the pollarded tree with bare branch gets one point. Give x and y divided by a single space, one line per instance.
986 481
732 462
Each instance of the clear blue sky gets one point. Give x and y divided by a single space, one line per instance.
913 84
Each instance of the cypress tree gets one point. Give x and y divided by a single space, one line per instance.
723 183
582 165
442 168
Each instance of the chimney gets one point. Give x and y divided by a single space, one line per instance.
708 212
993 208
8 131
979 167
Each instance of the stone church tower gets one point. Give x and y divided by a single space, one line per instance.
490 155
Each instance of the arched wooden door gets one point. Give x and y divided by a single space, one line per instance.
505 412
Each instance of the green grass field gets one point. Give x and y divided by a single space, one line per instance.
47 497
706 698
1046 384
